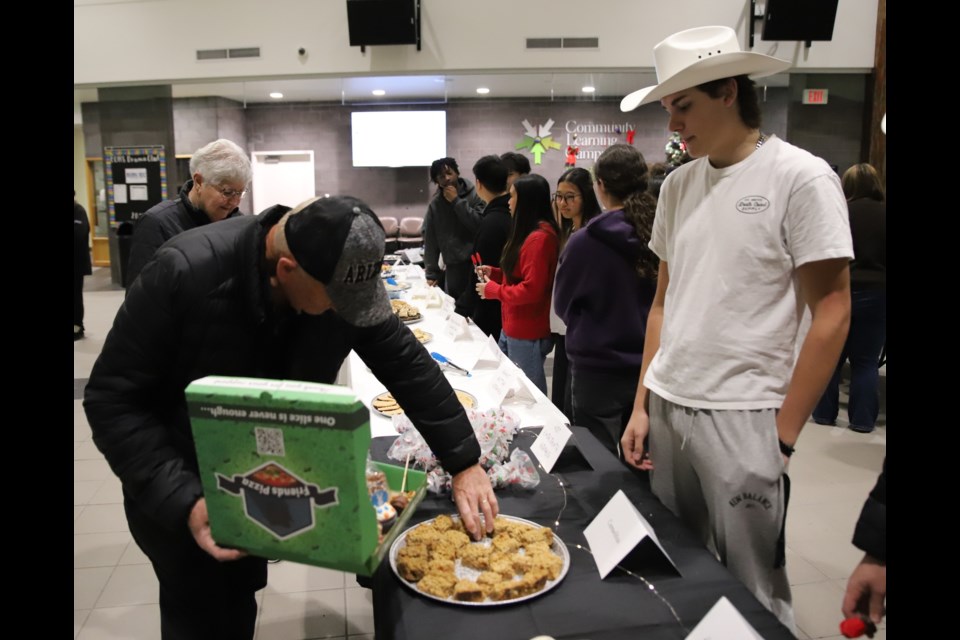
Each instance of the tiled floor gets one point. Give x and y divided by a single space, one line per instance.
115 591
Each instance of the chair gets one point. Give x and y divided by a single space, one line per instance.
392 230
410 233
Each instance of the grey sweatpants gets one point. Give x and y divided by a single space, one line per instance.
722 474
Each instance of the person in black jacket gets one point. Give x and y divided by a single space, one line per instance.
283 295
490 174
449 227
81 263
219 176
866 593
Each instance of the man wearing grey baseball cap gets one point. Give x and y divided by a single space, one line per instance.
751 234
285 295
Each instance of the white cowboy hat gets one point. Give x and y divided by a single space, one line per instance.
692 57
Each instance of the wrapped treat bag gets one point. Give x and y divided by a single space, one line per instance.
494 429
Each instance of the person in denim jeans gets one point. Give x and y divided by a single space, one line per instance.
868 308
524 282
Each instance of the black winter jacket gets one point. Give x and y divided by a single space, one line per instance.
201 307
870 535
160 223
491 238
449 228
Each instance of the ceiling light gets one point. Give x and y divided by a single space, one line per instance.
483 90
276 95
379 92
588 89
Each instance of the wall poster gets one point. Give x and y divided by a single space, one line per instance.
136 179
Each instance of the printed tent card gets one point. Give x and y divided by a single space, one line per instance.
724 622
616 531
549 444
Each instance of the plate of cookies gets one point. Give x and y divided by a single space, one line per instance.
406 311
423 336
438 560
385 404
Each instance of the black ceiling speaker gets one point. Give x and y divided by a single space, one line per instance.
374 22
800 20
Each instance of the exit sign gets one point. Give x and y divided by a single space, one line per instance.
815 96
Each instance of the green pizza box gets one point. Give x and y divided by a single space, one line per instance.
283 466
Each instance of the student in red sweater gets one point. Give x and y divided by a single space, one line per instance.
524 282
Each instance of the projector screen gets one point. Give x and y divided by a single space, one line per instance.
398 138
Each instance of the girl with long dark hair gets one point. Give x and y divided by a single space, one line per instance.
605 286
524 281
575 204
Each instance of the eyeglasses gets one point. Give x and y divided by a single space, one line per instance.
565 197
229 194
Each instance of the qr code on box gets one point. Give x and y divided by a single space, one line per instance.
269 441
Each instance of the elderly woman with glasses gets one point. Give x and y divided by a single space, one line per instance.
220 173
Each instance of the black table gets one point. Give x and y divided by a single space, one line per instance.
582 606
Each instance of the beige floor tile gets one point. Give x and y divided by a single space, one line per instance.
289 577
799 571
130 585
817 608
84 490
98 549
77 510
133 555
98 518
818 492
87 451
294 616
79 617
81 432
831 557
833 520
87 585
123 623
80 425
110 492
84 470
362 636
359 611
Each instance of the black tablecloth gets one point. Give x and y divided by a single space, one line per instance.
582 606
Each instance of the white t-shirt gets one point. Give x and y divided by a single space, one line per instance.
732 239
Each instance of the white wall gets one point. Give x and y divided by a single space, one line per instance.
156 40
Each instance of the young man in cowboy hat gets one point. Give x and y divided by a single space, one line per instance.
748 234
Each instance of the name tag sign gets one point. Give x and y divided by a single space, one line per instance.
548 445
503 381
456 327
447 303
724 622
616 531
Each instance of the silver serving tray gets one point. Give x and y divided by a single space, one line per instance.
462 572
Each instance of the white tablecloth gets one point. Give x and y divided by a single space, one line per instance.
462 351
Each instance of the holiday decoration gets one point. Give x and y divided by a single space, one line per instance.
676 150
630 134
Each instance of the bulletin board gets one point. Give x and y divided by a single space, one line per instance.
136 179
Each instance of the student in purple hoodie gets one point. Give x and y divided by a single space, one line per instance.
605 284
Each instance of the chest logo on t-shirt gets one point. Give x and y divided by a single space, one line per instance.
752 204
